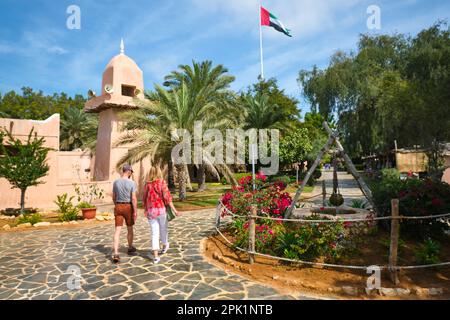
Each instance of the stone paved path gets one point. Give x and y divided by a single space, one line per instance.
36 265
348 187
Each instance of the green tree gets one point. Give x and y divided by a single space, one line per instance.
78 130
153 127
260 114
209 82
295 147
428 70
284 105
23 163
37 106
393 87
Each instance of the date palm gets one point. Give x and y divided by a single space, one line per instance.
152 129
260 114
211 85
78 130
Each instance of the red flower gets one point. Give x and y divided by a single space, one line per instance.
437 202
261 176
402 194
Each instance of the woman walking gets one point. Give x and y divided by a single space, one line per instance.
156 197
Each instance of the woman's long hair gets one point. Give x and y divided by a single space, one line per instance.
154 173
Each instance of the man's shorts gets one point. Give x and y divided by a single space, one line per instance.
124 211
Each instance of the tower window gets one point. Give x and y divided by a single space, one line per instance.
128 90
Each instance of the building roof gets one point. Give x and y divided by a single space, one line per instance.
122 82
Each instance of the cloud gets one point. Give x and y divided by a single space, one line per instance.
304 17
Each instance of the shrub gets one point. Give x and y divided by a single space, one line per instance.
239 175
417 198
286 180
30 218
358 204
295 241
390 174
428 252
310 241
68 212
223 181
269 198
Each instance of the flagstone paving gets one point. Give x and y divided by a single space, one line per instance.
348 187
39 264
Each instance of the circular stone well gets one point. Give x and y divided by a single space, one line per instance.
334 213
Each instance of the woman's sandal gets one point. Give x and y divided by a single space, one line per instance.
116 258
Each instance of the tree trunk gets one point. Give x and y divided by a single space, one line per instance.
22 200
181 173
188 178
170 176
201 178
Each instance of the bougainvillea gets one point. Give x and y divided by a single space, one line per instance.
290 240
270 199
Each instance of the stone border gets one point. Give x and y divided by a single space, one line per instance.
101 217
341 292
389 292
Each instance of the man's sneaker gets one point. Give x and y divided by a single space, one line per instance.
131 250
156 260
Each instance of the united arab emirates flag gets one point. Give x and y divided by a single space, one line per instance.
269 19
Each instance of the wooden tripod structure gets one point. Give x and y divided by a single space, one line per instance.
332 139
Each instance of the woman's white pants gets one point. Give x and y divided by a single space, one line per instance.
159 231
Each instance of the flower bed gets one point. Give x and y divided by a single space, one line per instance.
293 240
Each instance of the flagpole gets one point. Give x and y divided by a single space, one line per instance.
261 43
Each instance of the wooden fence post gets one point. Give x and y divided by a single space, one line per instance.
393 249
251 234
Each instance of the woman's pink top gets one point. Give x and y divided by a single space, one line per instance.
156 197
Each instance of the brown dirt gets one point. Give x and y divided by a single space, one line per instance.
328 282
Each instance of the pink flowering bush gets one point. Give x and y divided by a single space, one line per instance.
270 199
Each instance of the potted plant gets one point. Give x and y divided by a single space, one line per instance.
86 197
89 210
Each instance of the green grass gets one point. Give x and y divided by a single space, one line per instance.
293 189
208 198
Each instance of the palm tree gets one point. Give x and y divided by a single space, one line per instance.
259 114
213 84
78 130
151 130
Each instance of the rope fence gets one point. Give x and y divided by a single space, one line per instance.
336 220
395 218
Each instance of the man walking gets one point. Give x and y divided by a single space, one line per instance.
125 209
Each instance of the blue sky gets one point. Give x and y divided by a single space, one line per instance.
37 49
